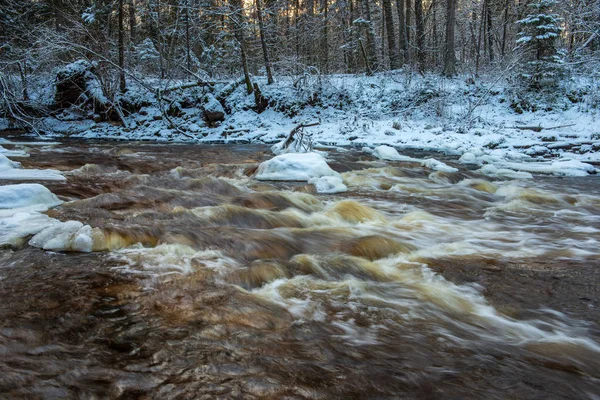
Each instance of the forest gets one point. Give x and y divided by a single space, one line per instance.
215 40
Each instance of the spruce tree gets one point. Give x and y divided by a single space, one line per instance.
543 63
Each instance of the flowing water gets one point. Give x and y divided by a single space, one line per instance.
209 284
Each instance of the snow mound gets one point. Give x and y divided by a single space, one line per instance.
65 236
26 195
329 184
294 167
9 171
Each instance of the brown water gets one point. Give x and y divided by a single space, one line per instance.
208 284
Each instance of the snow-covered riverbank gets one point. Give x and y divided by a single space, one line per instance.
480 121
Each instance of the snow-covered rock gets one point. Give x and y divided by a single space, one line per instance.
389 153
294 167
213 110
329 184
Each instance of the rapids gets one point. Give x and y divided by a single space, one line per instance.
205 282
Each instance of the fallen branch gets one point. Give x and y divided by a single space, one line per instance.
540 128
298 128
119 111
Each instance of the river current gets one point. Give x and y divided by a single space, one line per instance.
209 284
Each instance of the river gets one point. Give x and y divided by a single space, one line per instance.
209 284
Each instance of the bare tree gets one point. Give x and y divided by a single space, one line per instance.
450 50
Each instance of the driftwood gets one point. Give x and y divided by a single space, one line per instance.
540 128
297 129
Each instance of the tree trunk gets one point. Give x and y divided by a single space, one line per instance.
401 30
450 52
391 36
263 42
420 34
479 37
237 18
408 29
371 41
505 27
325 37
131 21
122 84
188 59
490 33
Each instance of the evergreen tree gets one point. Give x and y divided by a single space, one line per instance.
539 31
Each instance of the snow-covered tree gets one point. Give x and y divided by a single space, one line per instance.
543 62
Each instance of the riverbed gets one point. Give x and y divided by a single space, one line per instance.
414 283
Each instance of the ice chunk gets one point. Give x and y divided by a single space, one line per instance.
15 228
5 163
558 167
13 153
26 195
491 170
329 184
389 153
9 171
469 158
64 236
438 165
294 167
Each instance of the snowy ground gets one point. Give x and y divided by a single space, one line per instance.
476 121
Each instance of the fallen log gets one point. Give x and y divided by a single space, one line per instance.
540 128
229 89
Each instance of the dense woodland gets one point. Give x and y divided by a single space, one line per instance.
215 39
